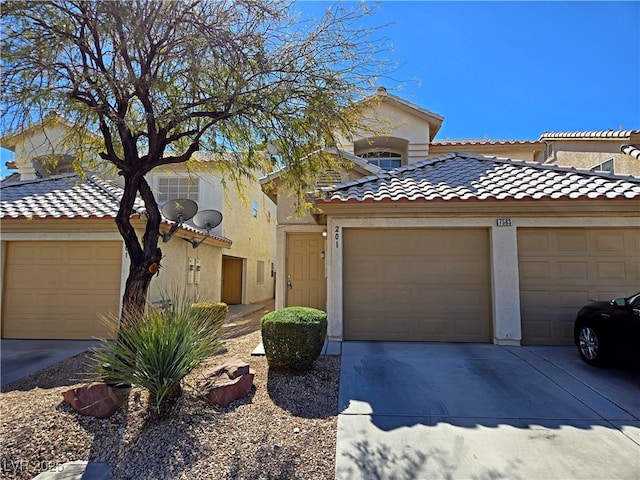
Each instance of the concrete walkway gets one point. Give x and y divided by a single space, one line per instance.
428 410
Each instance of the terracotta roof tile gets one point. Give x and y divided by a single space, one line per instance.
60 196
631 150
68 196
464 177
462 142
599 134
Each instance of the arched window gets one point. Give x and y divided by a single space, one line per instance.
384 160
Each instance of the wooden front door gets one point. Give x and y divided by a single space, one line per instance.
231 280
306 281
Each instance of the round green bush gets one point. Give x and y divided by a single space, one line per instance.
215 312
293 337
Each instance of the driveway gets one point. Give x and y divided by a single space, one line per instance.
20 358
436 410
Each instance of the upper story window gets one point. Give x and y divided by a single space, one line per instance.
254 210
606 166
170 188
548 151
384 160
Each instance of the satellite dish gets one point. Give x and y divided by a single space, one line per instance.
179 210
207 219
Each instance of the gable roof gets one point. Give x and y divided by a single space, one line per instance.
592 135
460 177
435 120
69 196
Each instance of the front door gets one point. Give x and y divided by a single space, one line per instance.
306 280
231 280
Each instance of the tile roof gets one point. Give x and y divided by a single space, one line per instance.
68 196
465 177
485 142
600 134
631 150
60 196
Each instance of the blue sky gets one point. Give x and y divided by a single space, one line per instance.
512 70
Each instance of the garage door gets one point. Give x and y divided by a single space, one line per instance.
58 289
417 285
562 269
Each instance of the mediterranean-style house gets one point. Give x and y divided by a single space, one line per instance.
64 263
473 241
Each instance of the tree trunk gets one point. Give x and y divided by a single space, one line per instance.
135 294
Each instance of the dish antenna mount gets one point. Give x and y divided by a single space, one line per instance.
179 211
207 220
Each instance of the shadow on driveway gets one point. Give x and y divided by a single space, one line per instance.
429 410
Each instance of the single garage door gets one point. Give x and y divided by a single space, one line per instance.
417 285
59 289
562 269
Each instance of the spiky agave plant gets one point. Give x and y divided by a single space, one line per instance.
159 350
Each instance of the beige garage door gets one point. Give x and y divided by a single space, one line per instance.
561 269
417 285
58 289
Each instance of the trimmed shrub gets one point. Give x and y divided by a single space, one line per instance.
293 337
213 311
157 350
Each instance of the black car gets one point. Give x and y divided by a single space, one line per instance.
605 331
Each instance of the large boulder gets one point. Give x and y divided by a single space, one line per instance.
96 399
227 382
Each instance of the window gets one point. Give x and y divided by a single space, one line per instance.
170 188
606 166
255 209
260 272
548 151
384 160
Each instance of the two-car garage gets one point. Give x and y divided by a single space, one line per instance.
435 284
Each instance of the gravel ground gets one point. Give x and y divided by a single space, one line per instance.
284 429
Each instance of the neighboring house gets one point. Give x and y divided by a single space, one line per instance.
614 151
63 259
460 247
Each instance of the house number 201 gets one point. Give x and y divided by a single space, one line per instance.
337 236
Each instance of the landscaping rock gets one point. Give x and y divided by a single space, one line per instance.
227 382
96 399
233 368
224 392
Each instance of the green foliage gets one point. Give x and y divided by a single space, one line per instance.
151 83
157 350
213 311
293 337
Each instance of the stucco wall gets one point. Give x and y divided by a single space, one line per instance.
391 120
516 152
174 273
587 154
254 238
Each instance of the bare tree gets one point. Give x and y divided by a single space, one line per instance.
160 80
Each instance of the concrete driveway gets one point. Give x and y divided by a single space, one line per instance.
474 411
20 358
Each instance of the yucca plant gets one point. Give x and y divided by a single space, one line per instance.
158 350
